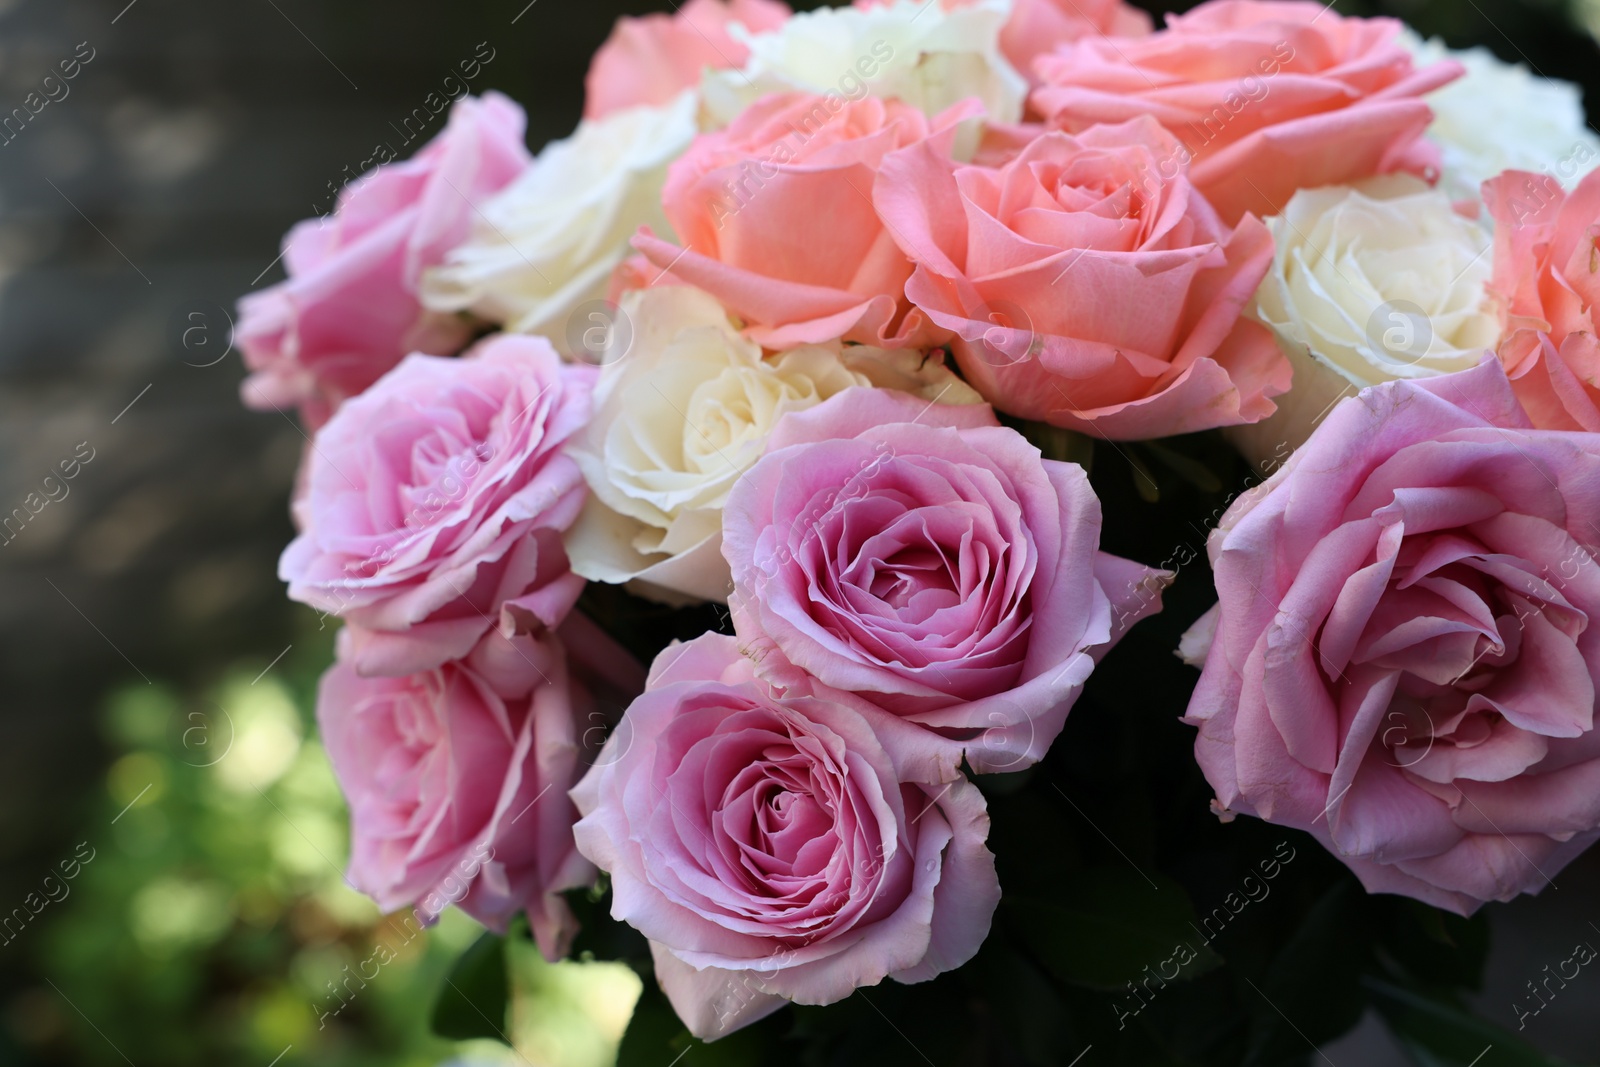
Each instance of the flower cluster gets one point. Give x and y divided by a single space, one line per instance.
779 326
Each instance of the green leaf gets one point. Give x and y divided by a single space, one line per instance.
1190 470
600 936
1025 1007
472 1002
1434 947
656 1037
1107 927
1437 1033
1060 444
1143 480
1311 993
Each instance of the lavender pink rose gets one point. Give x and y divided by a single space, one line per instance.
435 502
457 782
933 563
779 846
1403 658
348 311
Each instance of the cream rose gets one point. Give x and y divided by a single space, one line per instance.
1369 283
683 408
1380 281
549 242
913 50
1500 117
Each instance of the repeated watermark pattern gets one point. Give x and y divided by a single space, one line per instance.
53 88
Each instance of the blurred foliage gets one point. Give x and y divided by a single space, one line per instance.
211 923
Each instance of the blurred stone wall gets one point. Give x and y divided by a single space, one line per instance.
133 211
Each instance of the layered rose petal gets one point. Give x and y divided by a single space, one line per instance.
1039 26
1403 654
434 504
734 200
684 406
650 59
349 310
915 52
781 845
1087 284
932 563
1544 290
1266 97
457 778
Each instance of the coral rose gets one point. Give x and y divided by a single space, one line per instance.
650 59
1402 660
1088 284
1268 96
776 218
1546 288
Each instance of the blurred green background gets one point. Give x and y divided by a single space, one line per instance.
206 919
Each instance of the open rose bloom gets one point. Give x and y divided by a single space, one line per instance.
781 846
1268 96
435 503
349 309
734 194
1403 659
882 373
1545 290
457 783
932 563
1087 284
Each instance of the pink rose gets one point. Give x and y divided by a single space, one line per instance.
457 784
1546 289
435 503
931 562
776 218
1401 661
1088 284
652 58
348 310
1039 26
781 847
1268 96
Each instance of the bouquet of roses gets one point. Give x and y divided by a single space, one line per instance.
788 368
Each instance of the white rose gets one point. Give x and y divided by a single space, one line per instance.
680 413
1500 116
548 242
910 49
1369 283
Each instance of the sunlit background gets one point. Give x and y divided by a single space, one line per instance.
158 740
